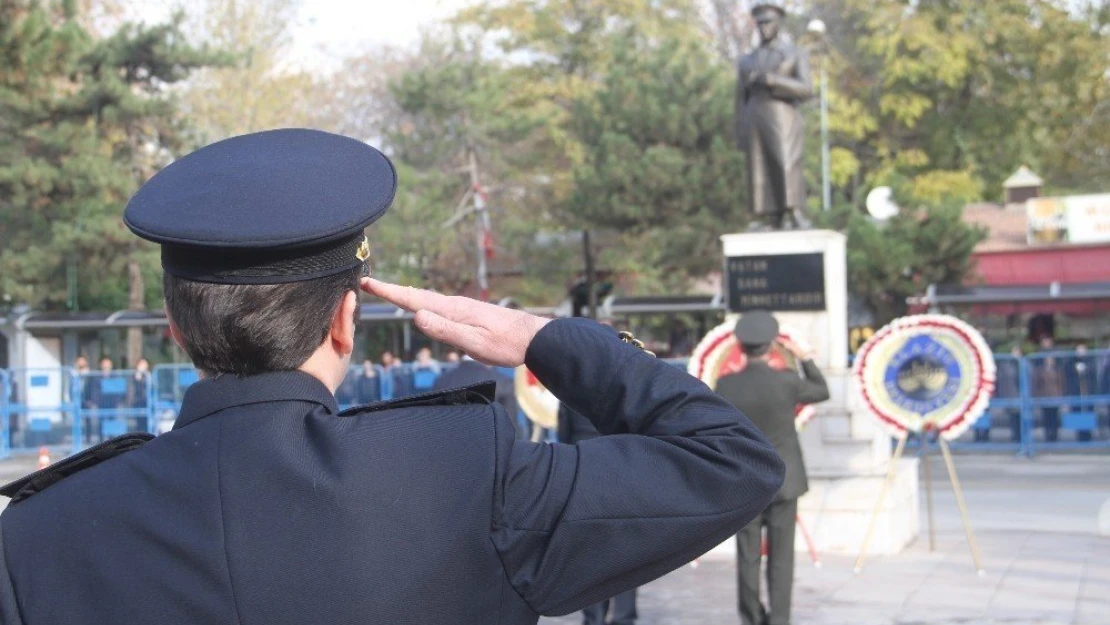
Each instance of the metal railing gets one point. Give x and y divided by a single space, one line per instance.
1043 402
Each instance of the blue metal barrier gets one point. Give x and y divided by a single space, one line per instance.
5 416
363 385
42 410
1054 401
1068 405
1000 427
114 403
167 390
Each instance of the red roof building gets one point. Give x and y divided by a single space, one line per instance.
1013 276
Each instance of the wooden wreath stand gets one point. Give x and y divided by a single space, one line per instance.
952 477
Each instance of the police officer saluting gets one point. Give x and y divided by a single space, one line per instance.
266 504
771 397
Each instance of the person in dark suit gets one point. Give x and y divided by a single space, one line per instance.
770 398
266 504
1082 381
1007 386
366 383
469 372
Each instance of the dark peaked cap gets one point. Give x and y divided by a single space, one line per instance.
757 327
265 208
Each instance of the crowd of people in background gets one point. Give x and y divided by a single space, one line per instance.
1051 372
390 377
113 401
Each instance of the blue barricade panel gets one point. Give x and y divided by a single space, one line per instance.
1084 421
1043 401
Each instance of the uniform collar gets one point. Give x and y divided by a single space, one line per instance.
226 391
759 362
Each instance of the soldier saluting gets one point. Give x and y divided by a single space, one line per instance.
771 396
266 504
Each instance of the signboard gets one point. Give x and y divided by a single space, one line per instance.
1073 219
1088 218
776 283
926 373
1047 219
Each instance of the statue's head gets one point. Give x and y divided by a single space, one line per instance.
768 19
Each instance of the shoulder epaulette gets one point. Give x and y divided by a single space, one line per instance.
482 393
38 481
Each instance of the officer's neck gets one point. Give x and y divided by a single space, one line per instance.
327 366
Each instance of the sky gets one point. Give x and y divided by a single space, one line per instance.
358 22
327 29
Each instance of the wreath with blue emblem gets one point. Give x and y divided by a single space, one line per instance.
926 373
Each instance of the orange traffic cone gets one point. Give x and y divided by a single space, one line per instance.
44 457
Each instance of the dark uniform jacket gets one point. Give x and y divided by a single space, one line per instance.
573 427
770 397
469 372
265 505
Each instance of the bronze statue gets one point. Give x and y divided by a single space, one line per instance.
773 81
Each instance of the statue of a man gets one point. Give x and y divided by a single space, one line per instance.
774 80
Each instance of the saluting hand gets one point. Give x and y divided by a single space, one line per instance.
487 333
796 349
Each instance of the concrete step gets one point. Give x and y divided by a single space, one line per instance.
843 455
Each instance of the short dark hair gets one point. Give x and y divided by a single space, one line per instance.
246 329
755 351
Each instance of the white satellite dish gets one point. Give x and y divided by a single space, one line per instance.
880 203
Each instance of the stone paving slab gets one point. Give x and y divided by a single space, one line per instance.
1023 585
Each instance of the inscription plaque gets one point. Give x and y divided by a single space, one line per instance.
782 282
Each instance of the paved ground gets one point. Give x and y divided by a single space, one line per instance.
1032 578
1037 527
1036 523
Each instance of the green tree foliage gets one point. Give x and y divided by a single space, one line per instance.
454 118
560 51
523 118
888 263
84 121
960 93
658 164
620 113
612 115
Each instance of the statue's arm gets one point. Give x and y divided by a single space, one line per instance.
797 87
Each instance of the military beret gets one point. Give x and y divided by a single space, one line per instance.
757 327
265 208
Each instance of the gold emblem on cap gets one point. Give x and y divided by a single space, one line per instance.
363 249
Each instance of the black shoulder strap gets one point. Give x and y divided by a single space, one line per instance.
38 481
482 393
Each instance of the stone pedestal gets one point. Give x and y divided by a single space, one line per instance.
846 455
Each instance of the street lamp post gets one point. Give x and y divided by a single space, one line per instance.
817 27
826 175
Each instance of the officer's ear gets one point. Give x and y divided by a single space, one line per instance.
342 332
